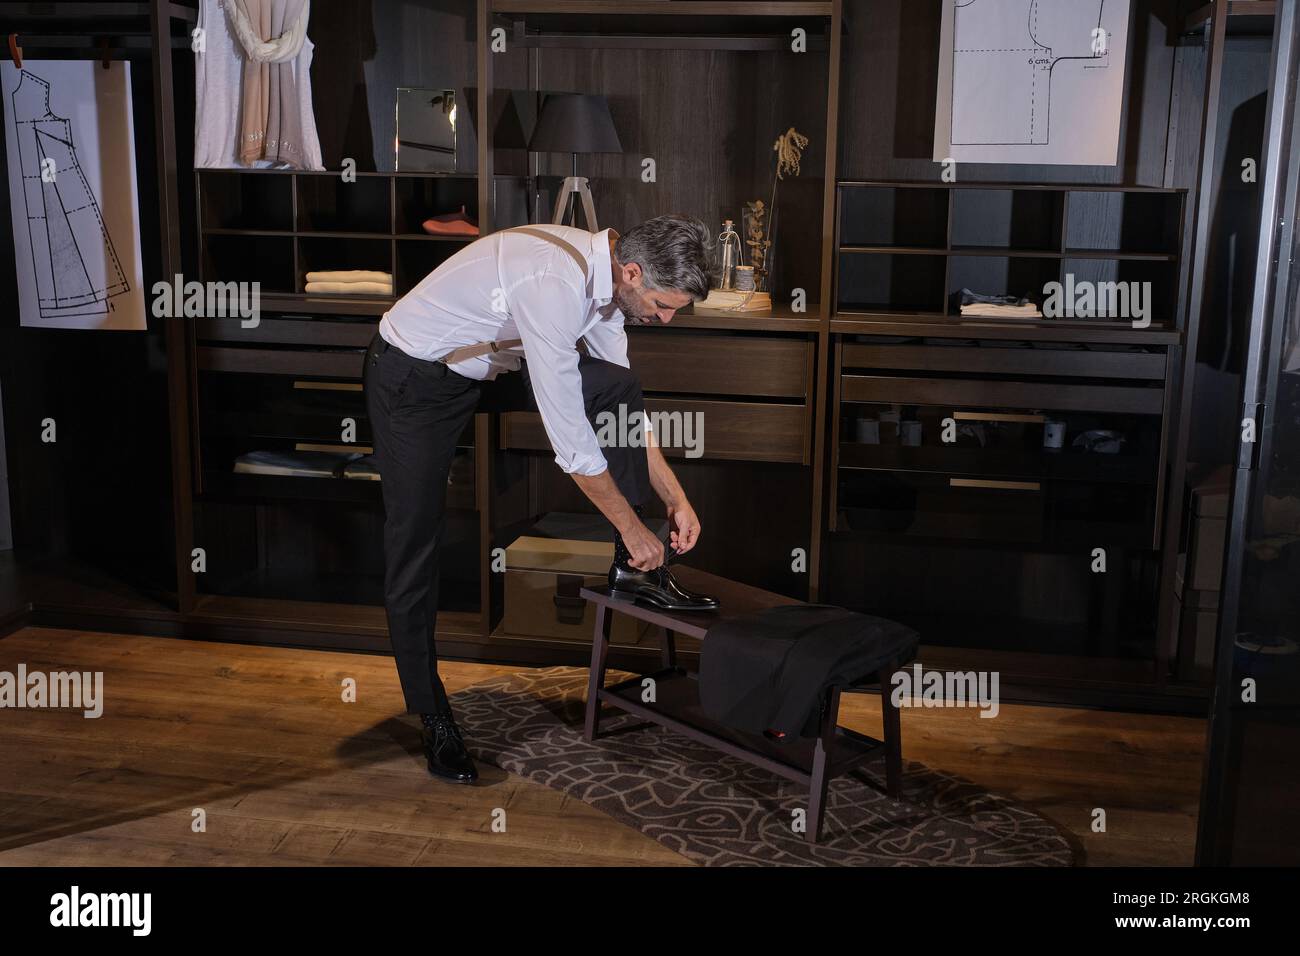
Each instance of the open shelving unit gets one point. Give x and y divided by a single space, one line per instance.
905 249
274 226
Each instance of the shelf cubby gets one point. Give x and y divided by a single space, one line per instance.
417 198
329 254
891 282
1124 222
234 200
332 204
882 217
1007 219
267 260
1000 275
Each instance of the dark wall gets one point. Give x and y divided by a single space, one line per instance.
6 528
365 50
707 118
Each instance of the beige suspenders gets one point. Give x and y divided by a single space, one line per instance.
482 348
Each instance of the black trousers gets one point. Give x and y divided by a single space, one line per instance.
417 411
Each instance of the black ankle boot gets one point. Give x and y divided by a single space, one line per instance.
445 749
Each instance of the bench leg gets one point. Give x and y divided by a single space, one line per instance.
669 650
893 734
821 767
596 679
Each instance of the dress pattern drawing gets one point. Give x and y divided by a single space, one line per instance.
1005 52
76 268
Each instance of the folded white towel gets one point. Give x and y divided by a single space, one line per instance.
353 288
351 275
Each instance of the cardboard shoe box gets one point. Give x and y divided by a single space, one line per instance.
545 569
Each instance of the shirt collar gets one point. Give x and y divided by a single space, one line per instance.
602 283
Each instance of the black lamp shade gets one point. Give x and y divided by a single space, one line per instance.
575 123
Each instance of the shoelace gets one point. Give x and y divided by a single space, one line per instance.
444 727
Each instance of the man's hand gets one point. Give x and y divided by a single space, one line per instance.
645 547
684 525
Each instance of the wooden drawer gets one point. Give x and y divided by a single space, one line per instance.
288 330
739 431
1002 394
991 358
298 362
747 365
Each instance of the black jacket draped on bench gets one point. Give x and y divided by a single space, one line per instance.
771 670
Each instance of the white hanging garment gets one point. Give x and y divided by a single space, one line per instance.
218 93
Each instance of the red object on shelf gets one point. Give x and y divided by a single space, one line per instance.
451 224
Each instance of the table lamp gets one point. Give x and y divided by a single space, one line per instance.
575 123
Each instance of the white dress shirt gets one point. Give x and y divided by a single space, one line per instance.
519 285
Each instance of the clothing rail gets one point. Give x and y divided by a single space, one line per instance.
28 15
86 31
82 48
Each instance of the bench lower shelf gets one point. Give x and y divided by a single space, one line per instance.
677 707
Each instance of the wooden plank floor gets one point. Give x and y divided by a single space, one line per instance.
260 740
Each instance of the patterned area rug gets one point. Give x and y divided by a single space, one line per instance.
720 811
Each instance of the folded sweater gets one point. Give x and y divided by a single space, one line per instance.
350 275
354 288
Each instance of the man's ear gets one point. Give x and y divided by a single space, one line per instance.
632 273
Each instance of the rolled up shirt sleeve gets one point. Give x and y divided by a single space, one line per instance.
548 309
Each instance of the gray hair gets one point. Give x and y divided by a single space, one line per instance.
672 252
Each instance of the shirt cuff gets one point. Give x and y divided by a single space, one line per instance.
582 464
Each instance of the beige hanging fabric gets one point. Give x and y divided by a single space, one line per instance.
271 33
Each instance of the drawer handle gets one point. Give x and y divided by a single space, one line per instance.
330 386
999 417
312 446
989 483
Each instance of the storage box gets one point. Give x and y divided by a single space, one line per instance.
1209 527
546 567
1197 614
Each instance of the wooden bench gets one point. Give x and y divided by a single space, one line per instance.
809 761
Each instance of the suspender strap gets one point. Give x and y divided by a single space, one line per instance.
483 348
474 351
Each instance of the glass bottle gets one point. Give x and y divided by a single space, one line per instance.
728 255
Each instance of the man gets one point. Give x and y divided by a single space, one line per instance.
529 293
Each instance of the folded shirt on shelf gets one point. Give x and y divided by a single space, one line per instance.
336 464
363 469
299 464
1029 311
352 288
352 281
997 306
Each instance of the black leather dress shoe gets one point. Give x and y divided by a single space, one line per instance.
445 749
658 588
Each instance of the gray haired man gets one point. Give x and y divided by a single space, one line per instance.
522 299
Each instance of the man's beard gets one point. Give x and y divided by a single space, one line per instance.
626 304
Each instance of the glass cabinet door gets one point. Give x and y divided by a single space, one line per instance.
1250 814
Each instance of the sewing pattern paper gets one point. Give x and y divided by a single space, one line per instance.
1031 81
69 141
